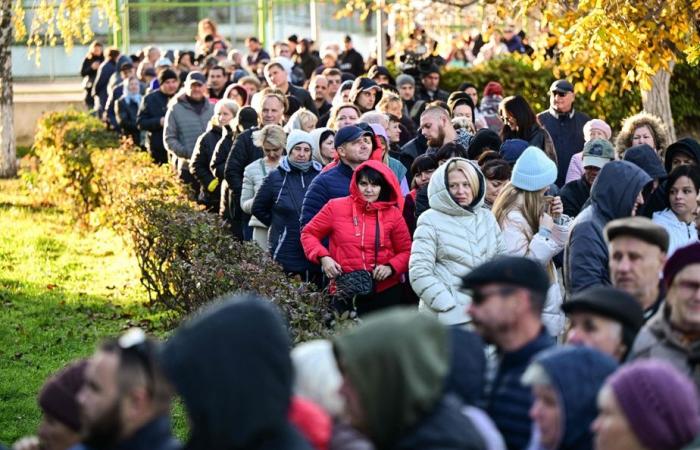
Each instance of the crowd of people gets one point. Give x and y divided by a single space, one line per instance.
521 280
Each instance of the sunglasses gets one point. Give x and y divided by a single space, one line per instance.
559 93
479 297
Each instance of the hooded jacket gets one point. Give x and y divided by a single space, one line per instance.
576 374
648 160
397 361
278 206
613 196
316 143
449 242
231 366
350 223
680 233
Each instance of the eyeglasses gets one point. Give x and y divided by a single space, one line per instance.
479 297
560 93
134 344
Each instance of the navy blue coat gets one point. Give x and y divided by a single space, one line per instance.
566 131
152 109
278 205
333 183
509 401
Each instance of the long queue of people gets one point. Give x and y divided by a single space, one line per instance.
469 238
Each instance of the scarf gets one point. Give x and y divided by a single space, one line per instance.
304 167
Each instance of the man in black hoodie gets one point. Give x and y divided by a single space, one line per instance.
232 368
125 400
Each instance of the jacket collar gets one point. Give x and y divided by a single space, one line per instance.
570 115
154 435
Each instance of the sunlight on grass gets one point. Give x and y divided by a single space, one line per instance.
61 292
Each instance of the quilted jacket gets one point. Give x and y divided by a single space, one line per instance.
448 243
350 224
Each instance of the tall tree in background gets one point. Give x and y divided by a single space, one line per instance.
639 40
53 21
8 158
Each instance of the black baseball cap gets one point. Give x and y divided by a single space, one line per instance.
561 86
511 270
195 77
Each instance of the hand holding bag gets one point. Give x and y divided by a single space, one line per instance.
357 282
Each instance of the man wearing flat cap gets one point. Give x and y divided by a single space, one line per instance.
673 334
508 294
603 318
564 124
637 248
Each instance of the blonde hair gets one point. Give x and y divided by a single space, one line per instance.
273 135
530 204
333 116
302 119
388 97
461 165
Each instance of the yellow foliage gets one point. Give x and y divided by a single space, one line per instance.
67 20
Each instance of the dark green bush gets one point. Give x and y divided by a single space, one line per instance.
64 143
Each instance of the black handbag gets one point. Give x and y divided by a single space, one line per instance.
357 282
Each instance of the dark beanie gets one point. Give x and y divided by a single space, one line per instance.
646 158
660 403
58 395
167 74
681 258
484 138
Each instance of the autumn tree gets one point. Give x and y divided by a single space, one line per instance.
54 21
639 41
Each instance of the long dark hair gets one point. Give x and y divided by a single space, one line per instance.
375 177
523 114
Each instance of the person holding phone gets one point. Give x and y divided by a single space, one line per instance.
533 224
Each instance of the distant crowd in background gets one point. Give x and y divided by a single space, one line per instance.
521 280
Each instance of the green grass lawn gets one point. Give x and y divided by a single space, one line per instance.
61 292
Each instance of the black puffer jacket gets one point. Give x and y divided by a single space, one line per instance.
199 167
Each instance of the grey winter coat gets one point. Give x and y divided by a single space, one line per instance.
183 125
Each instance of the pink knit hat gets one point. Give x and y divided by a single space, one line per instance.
596 124
660 403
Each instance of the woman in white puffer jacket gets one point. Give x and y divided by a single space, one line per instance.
534 225
453 237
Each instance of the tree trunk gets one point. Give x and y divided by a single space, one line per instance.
8 152
657 101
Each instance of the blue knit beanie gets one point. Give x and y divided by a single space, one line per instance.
533 170
511 149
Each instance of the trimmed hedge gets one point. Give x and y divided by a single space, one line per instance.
186 258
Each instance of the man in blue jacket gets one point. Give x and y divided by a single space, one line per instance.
354 146
564 124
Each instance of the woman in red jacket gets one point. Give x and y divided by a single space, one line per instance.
350 224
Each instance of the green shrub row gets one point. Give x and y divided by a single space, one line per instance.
186 258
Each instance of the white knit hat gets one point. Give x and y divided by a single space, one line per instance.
533 170
298 136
